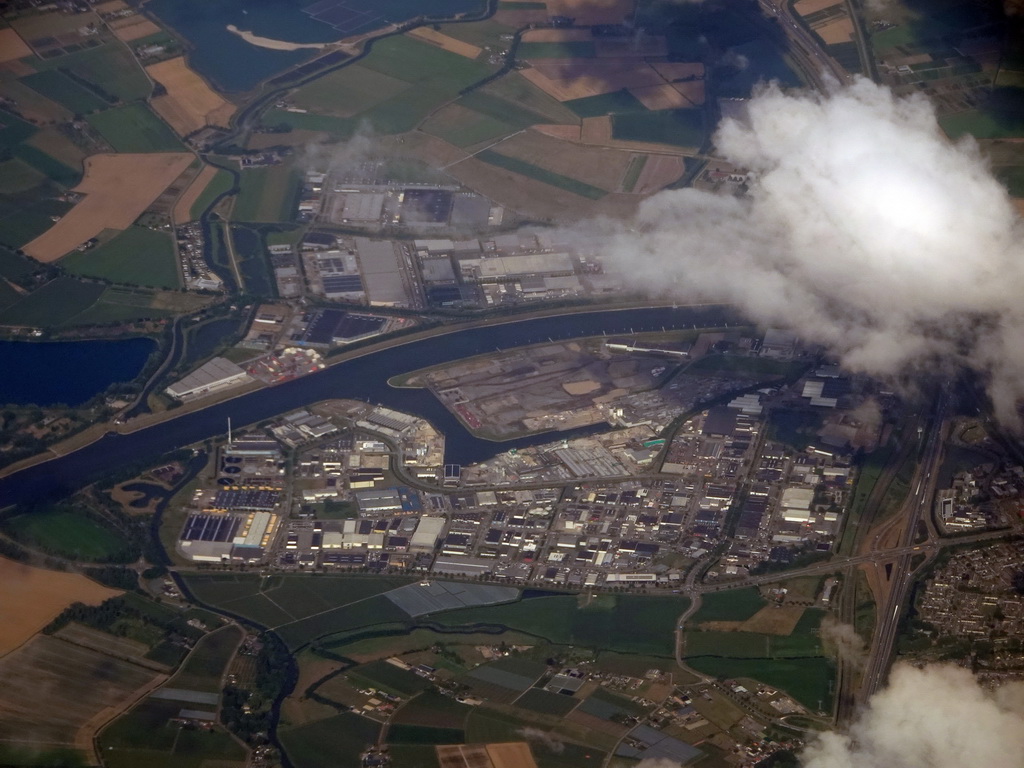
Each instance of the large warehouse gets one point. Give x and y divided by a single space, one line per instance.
502 269
214 376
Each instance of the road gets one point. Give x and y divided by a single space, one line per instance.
916 509
819 67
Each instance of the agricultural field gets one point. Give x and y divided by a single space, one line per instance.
81 684
676 127
189 104
145 736
205 666
117 189
616 102
464 127
543 175
268 194
16 176
219 184
608 622
335 741
33 106
392 89
68 533
59 147
32 597
56 303
59 88
134 128
137 255
730 605
110 68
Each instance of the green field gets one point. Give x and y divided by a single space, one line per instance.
67 533
981 125
268 194
488 726
145 736
545 702
348 91
382 675
499 108
516 89
414 756
433 709
219 184
398 84
731 605
606 104
541 174
16 176
465 129
119 304
60 88
111 67
367 613
808 680
334 741
48 165
56 303
13 130
424 734
676 127
581 49
12 265
134 128
204 668
138 255
26 215
633 171
609 622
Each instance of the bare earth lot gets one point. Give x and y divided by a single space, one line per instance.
117 189
32 597
190 104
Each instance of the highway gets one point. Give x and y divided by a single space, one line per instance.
818 66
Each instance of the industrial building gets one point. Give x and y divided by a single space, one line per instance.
215 376
503 269
383 273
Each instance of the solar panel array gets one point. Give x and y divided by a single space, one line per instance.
202 527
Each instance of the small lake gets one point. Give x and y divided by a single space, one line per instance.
70 372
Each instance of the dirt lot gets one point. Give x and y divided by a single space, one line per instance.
183 206
657 97
566 79
12 46
659 171
32 597
117 189
57 693
450 44
133 27
190 104
588 12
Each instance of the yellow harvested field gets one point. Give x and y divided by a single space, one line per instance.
560 35
133 27
567 79
117 189
679 70
450 44
520 17
34 106
12 46
660 97
190 104
564 132
659 171
183 207
514 754
806 7
587 12
32 597
839 31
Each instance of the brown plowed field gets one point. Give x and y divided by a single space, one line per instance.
32 597
567 79
117 189
12 46
450 44
658 97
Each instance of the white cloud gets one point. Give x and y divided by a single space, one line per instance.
936 717
864 229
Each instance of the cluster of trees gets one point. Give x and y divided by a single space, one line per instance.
275 675
117 616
